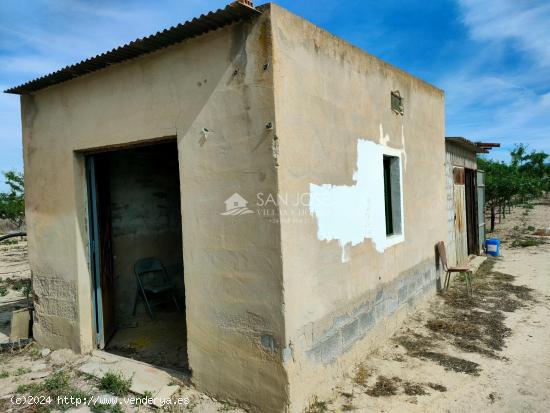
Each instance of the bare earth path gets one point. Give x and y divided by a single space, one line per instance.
517 319
14 268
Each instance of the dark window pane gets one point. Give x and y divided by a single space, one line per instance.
397 102
387 195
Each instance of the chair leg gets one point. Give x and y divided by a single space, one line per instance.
447 280
466 282
136 298
176 302
147 305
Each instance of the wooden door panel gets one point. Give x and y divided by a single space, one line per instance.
459 199
471 211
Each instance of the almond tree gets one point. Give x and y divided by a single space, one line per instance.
12 203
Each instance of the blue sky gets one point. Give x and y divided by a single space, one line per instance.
492 57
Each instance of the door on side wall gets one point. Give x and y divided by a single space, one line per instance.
459 199
101 264
472 228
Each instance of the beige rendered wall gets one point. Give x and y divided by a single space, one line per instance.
233 274
334 122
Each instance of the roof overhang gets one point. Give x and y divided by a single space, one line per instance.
234 12
476 147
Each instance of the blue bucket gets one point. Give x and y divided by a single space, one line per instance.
492 247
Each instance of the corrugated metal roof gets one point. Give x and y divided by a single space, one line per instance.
234 12
478 147
463 142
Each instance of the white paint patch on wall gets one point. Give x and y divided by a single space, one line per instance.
351 214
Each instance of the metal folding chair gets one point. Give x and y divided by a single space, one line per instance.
448 270
153 285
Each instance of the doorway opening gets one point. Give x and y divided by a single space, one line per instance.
472 227
136 253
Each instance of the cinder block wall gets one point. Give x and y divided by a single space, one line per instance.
334 123
146 218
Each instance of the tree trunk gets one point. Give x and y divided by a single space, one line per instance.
504 211
492 218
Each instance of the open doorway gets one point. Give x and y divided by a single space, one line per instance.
136 253
472 227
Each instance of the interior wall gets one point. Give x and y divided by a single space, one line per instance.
145 217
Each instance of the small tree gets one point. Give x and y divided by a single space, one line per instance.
501 183
526 177
12 203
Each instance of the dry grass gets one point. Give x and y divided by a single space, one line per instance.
362 375
384 386
414 389
316 406
473 324
438 387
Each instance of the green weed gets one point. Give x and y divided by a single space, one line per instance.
524 243
115 383
21 370
56 385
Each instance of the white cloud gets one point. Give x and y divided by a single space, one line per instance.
33 65
525 22
52 34
83 29
490 98
496 108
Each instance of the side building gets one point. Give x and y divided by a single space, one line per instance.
465 198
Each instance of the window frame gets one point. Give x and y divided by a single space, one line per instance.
397 108
393 195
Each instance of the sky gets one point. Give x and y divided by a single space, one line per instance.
491 57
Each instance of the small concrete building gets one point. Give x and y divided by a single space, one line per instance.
291 185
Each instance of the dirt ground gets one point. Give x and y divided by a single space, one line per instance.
38 372
14 277
489 352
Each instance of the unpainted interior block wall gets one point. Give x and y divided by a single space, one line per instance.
146 217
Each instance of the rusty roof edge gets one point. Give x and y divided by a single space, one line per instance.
232 13
463 142
477 147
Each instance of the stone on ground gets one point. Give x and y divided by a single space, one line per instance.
145 378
